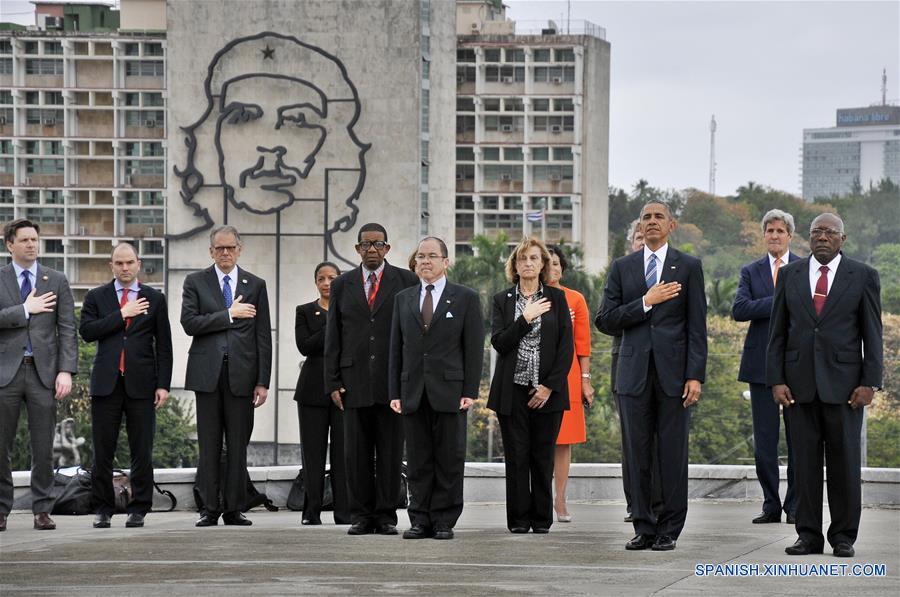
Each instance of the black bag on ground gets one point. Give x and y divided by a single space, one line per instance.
72 495
254 497
296 499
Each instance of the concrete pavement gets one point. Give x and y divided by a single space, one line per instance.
276 556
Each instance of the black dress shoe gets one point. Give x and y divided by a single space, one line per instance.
802 547
639 542
791 518
628 518
766 517
311 519
518 530
236 519
135 520
386 529
844 550
3 522
360 528
207 519
417 531
102 520
663 543
443 532
540 530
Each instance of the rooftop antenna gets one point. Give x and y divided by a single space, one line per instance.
712 155
884 87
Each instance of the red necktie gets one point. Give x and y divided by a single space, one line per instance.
122 304
821 292
373 289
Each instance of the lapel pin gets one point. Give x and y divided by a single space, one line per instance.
44 278
509 294
244 281
318 312
448 301
671 267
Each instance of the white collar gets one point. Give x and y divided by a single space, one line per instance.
814 264
660 253
233 275
438 284
135 286
19 269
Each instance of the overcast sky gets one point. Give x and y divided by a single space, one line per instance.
767 70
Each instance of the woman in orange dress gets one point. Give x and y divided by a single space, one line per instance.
581 392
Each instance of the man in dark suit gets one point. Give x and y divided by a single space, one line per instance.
824 365
656 299
131 375
753 303
357 342
226 310
39 357
437 350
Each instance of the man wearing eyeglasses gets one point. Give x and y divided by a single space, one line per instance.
437 349
824 365
357 341
226 311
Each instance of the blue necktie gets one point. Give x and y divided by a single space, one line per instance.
226 291
650 276
24 291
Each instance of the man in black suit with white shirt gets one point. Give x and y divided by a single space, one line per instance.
656 299
437 350
824 366
131 375
226 311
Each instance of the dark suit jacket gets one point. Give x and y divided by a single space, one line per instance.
557 349
53 340
835 352
247 342
674 331
357 339
443 362
309 333
147 342
753 303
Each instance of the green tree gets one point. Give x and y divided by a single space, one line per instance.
886 259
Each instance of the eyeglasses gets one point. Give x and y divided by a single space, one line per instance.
429 257
226 249
368 244
825 231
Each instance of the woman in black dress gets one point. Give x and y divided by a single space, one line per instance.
317 413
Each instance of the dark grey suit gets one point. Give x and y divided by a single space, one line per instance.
55 349
227 359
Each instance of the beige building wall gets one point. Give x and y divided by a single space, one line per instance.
143 15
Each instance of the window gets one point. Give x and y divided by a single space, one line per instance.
465 74
145 68
512 202
465 154
43 66
53 47
513 104
32 98
6 146
540 154
492 55
490 154
6 97
552 173
31 47
491 104
53 245
153 198
155 149
130 198
6 196
54 197
6 165
145 167
153 247
465 172
424 115
144 216
562 203
5 46
502 221
540 105
6 66
562 154
465 220
132 99
465 123
44 166
465 55
133 49
150 118
53 98
515 55
45 215
554 74
153 50
490 202
32 147
506 124
465 104
464 202
563 105
503 172
52 148
45 117
6 117
32 197
554 124
513 154
505 74
153 99
564 55
541 55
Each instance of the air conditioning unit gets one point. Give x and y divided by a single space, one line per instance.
150 124
506 177
49 122
556 128
555 177
557 80
506 128
475 27
507 79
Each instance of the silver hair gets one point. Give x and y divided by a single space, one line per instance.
226 229
777 214
830 214
632 228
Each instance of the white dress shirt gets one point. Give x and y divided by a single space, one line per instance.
232 280
814 272
660 260
436 292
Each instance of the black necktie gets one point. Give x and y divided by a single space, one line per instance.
428 306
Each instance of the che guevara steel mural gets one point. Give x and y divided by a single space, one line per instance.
275 134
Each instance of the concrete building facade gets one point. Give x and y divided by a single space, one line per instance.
860 150
298 123
82 139
532 131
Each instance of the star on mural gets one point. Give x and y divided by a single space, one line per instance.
268 53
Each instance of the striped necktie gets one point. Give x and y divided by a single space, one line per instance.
650 276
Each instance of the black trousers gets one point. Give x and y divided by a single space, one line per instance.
766 431
529 445
648 417
656 491
373 450
315 423
830 430
436 463
140 425
221 413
